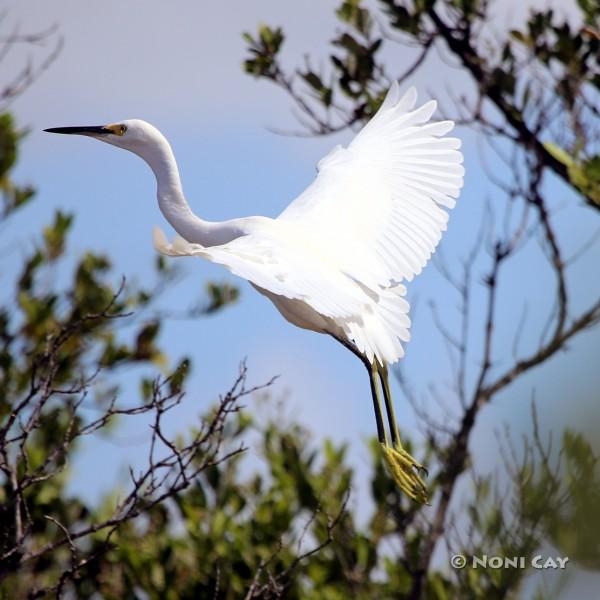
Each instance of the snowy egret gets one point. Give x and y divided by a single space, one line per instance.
334 261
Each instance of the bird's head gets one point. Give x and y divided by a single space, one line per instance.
134 135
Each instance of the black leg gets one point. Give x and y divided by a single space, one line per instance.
377 405
371 369
389 405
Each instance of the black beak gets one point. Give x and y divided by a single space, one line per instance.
94 130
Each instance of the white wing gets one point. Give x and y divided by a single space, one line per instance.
273 263
371 219
375 208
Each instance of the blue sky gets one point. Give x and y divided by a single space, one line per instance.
181 70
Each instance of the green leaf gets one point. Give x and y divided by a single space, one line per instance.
55 234
559 154
179 375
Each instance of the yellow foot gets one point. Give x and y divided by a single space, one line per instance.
406 472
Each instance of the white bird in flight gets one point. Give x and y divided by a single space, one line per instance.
336 259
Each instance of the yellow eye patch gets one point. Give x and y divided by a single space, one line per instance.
117 128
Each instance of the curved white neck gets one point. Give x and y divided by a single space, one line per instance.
172 203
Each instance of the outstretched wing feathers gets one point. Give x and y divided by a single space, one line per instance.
376 208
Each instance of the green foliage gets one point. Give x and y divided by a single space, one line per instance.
585 175
67 334
315 82
573 528
404 18
285 526
13 197
285 529
264 50
219 296
354 14
230 526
